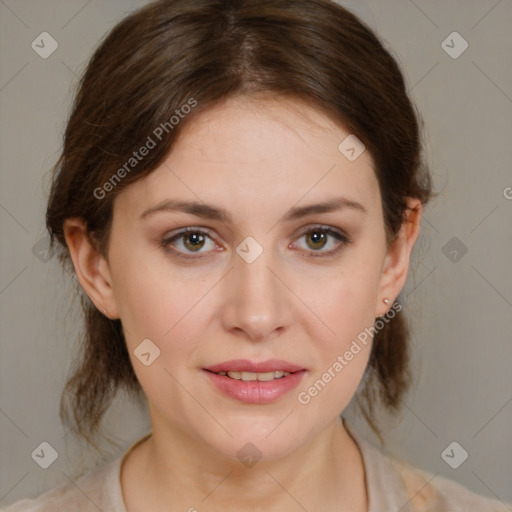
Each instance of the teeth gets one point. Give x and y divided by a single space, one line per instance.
251 376
263 377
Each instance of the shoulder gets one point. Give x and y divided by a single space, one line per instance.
99 489
394 484
430 492
96 490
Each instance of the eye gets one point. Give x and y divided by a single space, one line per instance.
324 241
189 241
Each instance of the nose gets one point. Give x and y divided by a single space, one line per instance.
257 304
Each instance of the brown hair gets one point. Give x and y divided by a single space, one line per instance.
172 53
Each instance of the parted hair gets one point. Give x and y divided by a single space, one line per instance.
172 53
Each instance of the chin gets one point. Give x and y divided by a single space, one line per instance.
257 439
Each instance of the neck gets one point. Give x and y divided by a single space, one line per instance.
327 472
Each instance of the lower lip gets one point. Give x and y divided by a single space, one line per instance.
256 392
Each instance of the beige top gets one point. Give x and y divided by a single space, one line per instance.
392 486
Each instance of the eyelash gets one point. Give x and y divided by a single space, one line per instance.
340 236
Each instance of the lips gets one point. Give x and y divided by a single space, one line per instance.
244 387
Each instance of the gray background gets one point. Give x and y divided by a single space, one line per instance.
461 303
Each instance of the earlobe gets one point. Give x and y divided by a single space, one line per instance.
396 264
91 267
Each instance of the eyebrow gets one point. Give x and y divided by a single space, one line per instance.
215 213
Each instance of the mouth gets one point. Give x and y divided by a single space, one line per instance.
252 376
255 383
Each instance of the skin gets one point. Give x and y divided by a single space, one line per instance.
257 159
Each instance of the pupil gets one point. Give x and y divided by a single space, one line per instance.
318 237
194 240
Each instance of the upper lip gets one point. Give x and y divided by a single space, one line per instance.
244 365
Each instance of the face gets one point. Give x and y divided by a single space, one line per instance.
220 260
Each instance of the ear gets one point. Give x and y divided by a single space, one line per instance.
92 269
396 264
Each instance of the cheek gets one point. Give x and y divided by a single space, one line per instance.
153 297
169 305
162 304
342 355
345 299
346 303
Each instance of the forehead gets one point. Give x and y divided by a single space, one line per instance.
258 152
265 131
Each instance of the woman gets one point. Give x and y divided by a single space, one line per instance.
239 193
